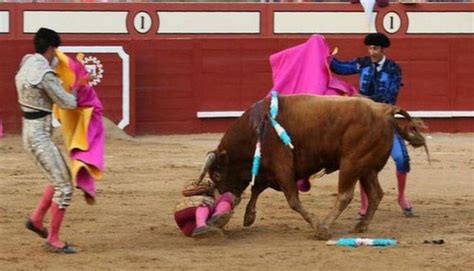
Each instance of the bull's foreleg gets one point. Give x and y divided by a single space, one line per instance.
250 212
284 175
346 188
295 204
374 192
292 196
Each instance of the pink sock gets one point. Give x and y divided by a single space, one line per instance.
45 202
224 204
364 201
223 207
57 216
303 185
402 199
202 213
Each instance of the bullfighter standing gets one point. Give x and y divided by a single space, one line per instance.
38 88
380 80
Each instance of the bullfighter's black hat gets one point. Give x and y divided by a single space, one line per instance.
377 39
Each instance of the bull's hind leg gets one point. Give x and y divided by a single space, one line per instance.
371 185
250 212
346 186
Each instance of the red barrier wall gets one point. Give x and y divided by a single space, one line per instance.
174 76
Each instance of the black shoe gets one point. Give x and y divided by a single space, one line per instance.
360 216
207 231
41 232
66 249
409 212
219 220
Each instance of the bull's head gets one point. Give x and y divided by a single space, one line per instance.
228 176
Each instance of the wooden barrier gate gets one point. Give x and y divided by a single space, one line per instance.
191 68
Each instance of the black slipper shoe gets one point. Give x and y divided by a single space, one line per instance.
219 220
41 232
207 232
66 249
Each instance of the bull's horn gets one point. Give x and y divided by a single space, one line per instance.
210 158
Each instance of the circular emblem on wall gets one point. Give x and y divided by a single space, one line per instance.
142 22
95 69
391 22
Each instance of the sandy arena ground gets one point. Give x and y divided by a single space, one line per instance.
131 226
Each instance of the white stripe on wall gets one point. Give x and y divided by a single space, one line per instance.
4 21
101 22
415 114
219 114
322 22
199 22
440 22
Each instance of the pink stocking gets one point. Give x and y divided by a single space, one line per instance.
57 216
402 199
45 202
202 213
364 201
224 204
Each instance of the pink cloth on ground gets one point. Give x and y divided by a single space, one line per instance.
304 69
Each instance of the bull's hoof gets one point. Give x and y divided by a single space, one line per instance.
360 227
322 234
249 218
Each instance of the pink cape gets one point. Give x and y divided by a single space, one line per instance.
83 129
94 156
304 69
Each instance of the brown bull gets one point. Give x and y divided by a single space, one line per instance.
352 135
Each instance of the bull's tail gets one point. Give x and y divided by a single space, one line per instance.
411 132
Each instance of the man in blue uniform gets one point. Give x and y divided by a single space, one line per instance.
380 81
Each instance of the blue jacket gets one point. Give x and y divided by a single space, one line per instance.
382 87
